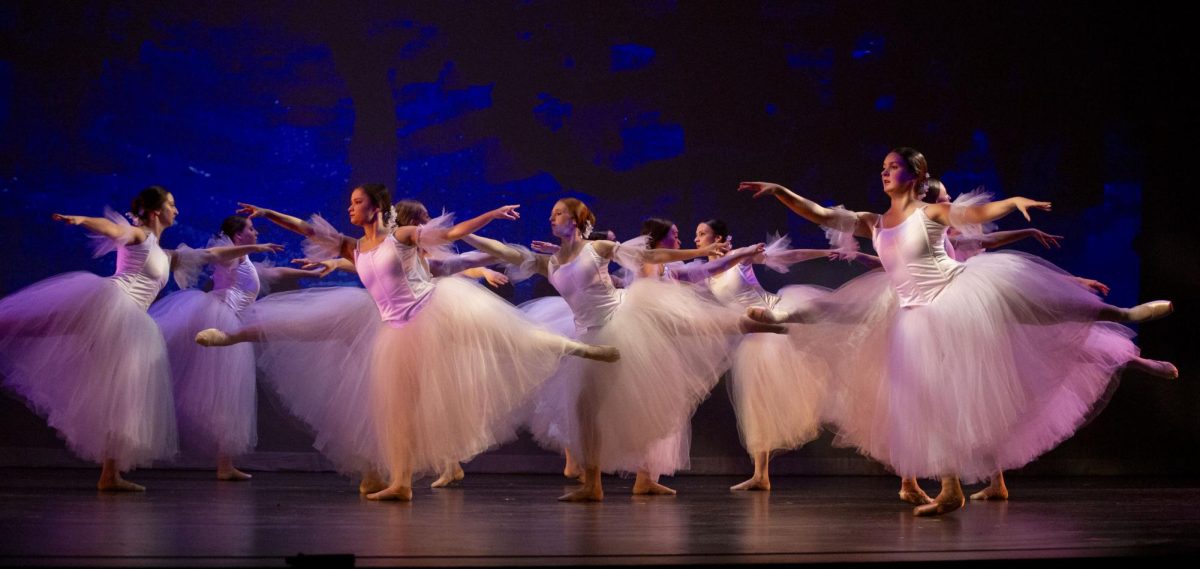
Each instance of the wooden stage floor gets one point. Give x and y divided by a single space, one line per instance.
54 517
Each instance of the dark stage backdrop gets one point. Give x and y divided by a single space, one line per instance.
647 108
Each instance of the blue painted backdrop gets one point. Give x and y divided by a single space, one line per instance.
645 108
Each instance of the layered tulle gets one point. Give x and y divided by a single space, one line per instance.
674 346
88 358
214 387
1003 365
545 415
314 352
447 384
778 382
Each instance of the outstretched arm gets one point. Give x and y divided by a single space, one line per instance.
344 244
507 253
809 209
869 261
229 253
606 249
409 235
793 256
980 214
1002 238
695 272
101 226
319 269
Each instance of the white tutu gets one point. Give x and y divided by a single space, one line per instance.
1005 363
214 387
315 353
779 382
447 383
674 346
85 355
546 414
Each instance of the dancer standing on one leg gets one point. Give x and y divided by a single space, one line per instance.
215 389
672 348
81 350
985 365
451 361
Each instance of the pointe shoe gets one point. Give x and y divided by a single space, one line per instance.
212 337
1148 311
915 497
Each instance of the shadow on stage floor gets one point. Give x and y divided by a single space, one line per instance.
54 517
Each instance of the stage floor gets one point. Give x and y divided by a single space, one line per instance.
54 517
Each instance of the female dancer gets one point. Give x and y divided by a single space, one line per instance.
215 389
980 366
81 350
672 349
451 361
778 383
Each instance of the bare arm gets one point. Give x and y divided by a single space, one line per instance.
322 268
869 261
1002 238
294 224
793 256
101 226
506 253
495 279
807 208
980 214
469 261
695 272
229 253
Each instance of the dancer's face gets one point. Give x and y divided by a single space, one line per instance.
943 196
705 236
247 236
895 175
168 212
671 241
362 211
562 223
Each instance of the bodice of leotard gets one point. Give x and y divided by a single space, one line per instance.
587 287
914 255
738 286
236 283
397 278
142 270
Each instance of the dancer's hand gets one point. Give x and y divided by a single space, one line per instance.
716 249
1093 285
252 211
544 247
836 255
1024 205
508 212
760 189
67 219
1045 238
494 278
322 268
269 248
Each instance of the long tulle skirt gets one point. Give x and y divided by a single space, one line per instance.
448 383
88 358
214 387
778 383
315 354
1005 363
635 414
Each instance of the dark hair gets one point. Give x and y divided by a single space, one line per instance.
411 212
718 228
579 212
233 225
933 188
380 197
656 228
917 166
152 198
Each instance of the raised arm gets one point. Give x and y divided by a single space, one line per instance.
694 272
319 269
810 210
283 220
101 226
509 254
231 252
980 214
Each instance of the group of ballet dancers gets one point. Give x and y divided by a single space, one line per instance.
951 362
